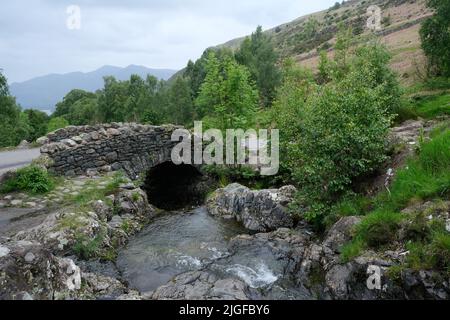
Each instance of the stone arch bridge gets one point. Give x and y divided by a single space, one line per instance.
133 148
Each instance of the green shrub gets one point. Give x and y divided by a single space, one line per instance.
334 134
57 123
440 250
345 128
377 229
245 175
29 179
435 36
406 112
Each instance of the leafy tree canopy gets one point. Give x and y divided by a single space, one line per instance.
435 36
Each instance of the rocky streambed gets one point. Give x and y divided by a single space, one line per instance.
191 244
242 244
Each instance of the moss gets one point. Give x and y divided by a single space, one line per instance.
316 276
109 254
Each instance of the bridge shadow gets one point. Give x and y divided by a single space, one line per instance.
173 187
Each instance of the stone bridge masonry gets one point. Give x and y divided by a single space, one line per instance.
134 148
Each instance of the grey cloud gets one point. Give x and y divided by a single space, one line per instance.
34 39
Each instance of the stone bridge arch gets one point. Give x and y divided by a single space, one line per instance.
133 148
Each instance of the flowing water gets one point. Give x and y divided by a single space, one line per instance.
181 242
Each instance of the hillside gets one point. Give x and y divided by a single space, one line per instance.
303 38
44 92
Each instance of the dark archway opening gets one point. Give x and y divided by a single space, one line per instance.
174 187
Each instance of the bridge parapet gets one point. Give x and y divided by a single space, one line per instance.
131 147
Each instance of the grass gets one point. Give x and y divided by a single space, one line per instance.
356 205
31 179
426 177
91 192
431 84
72 222
433 106
126 227
434 254
86 248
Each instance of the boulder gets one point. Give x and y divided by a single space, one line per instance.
133 202
103 211
201 285
42 140
59 231
24 145
103 286
263 211
30 271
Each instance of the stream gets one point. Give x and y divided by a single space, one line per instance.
176 243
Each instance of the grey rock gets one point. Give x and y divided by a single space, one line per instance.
128 186
111 157
263 210
4 251
102 285
24 145
103 211
48 276
116 222
16 203
42 140
133 202
91 173
29 257
201 285
340 233
69 142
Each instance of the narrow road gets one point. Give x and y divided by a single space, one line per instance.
16 159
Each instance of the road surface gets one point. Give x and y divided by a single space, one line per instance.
10 160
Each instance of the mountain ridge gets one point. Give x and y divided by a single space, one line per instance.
400 22
43 92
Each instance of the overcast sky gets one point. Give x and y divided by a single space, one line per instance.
35 39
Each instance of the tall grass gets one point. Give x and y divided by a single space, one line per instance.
433 106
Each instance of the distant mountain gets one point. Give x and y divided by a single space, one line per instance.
44 92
